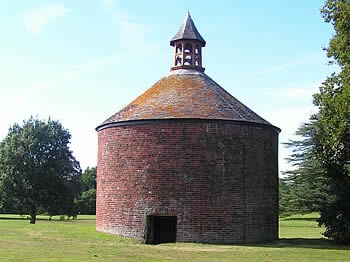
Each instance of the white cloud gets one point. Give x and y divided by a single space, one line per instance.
32 101
309 59
108 3
81 68
132 35
94 64
36 19
288 119
315 58
300 91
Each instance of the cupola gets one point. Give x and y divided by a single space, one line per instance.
188 45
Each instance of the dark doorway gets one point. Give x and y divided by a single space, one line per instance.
161 229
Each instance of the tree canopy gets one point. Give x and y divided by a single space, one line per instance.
304 188
88 179
326 138
331 134
37 169
86 202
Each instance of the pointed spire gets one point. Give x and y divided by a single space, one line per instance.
188 31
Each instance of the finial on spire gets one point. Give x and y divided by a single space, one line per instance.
188 44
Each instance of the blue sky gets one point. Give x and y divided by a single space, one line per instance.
79 62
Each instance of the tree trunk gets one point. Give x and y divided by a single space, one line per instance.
33 216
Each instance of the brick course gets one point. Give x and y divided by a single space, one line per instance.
220 178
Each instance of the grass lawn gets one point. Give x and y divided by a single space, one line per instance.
77 240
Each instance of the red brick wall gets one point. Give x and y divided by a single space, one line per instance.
220 178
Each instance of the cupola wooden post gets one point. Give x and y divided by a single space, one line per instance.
188 45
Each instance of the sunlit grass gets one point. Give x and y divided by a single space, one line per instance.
300 226
77 240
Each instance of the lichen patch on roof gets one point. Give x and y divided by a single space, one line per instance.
185 94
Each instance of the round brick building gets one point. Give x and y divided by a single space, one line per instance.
187 162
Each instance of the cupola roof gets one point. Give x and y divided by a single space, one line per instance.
188 31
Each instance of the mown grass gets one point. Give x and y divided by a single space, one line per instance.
77 240
300 226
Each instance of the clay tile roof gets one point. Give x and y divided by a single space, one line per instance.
185 94
188 31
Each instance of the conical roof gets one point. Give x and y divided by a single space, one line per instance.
188 31
185 94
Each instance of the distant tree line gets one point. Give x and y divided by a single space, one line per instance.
39 174
320 179
85 203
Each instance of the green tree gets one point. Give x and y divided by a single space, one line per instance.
332 144
337 12
331 133
327 139
88 179
305 188
86 202
38 170
287 198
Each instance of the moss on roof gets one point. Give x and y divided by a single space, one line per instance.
185 94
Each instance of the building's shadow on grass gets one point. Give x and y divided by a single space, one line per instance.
27 218
300 219
314 243
13 218
40 218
